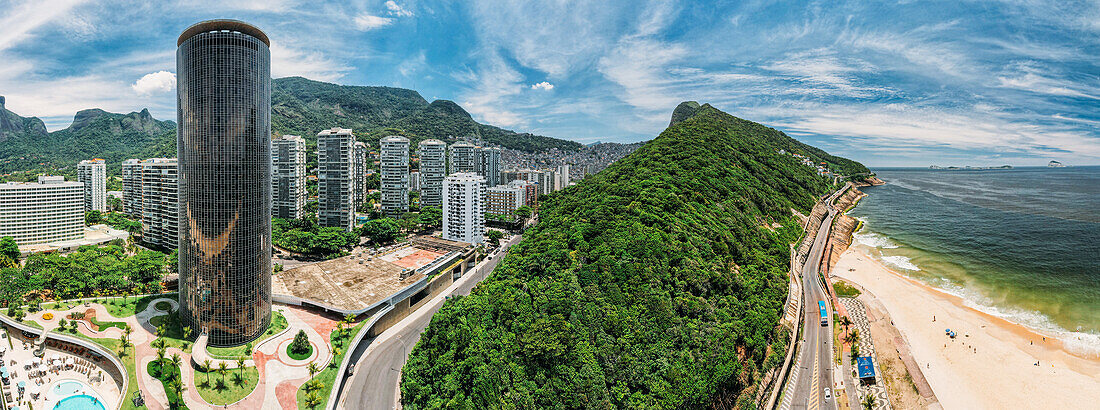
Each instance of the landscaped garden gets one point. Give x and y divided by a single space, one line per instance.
220 385
167 370
314 393
278 324
299 349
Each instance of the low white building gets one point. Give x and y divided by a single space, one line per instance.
464 208
47 211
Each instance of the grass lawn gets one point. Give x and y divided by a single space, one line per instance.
119 308
167 374
174 335
844 290
105 325
234 386
278 323
131 368
163 306
327 376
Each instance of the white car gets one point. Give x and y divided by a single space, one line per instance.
828 393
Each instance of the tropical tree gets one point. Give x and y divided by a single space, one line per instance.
494 236
845 322
300 345
312 400
9 248
868 402
160 355
206 369
523 212
313 369
240 365
176 360
221 369
248 349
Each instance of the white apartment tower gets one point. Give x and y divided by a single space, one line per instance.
394 152
288 177
361 162
93 173
160 202
131 188
563 177
335 179
433 168
463 208
488 165
48 211
464 157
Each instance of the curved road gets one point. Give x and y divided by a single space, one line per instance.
815 364
374 384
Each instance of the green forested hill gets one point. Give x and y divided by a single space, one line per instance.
656 283
94 133
845 166
299 106
304 107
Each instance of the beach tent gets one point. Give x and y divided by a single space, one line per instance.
865 367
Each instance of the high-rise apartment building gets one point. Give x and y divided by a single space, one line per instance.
131 188
93 173
395 175
288 177
48 211
488 165
503 200
433 169
336 178
563 177
463 157
546 180
160 223
463 208
414 181
361 163
223 83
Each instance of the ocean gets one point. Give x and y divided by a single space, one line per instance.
1021 244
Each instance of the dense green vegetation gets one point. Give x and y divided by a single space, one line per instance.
780 140
303 107
90 270
93 134
167 370
656 283
845 290
304 236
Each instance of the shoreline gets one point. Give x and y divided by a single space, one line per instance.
991 364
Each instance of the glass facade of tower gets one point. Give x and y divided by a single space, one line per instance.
224 147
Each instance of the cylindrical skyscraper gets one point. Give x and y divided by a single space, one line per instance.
223 70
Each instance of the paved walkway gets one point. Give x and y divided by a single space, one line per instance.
858 314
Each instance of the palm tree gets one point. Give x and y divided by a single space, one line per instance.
176 360
868 402
312 400
221 369
126 331
240 365
206 369
160 356
313 369
845 322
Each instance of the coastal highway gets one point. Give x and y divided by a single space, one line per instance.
374 384
814 365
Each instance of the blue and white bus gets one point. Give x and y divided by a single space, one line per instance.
824 313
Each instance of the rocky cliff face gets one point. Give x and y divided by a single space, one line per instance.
141 122
13 125
685 110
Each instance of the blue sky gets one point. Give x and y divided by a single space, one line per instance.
887 83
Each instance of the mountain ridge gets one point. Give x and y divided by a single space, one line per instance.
656 283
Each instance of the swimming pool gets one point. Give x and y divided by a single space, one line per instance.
66 388
80 402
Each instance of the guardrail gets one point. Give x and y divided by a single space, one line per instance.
338 384
95 347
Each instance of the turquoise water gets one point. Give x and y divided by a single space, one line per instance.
1021 244
67 388
79 402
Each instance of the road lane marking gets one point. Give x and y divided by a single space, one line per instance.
815 401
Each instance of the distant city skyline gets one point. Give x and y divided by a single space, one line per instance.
909 84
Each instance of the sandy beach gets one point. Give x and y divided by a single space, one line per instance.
992 362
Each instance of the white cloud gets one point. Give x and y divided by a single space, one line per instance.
492 87
1028 77
286 61
154 83
397 10
21 21
367 22
542 86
